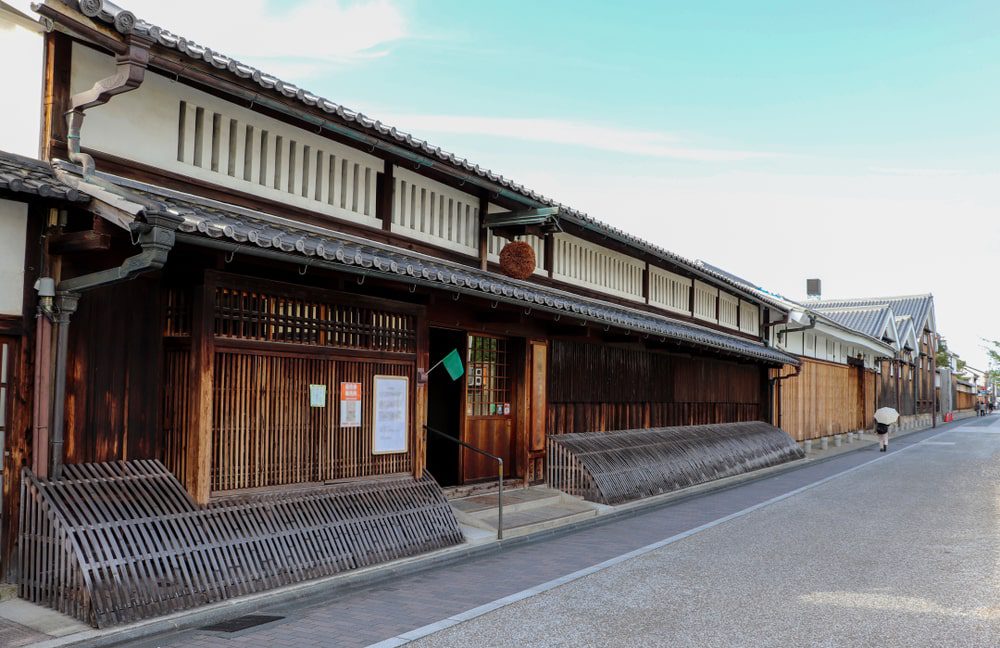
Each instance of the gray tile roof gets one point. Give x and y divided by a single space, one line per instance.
868 320
125 22
845 321
24 175
240 228
916 307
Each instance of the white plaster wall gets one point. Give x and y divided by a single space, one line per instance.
143 125
22 51
13 230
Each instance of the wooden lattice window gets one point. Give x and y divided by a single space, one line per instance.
311 318
177 313
488 383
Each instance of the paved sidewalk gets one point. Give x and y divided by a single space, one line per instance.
381 612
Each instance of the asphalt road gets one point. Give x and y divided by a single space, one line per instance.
902 551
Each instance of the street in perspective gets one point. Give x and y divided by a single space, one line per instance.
372 323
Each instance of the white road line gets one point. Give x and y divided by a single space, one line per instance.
437 626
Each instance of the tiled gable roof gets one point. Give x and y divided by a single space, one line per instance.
916 307
867 320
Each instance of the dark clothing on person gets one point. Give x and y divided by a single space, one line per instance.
883 436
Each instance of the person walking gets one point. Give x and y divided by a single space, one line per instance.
882 430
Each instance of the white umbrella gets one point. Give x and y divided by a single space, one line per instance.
886 415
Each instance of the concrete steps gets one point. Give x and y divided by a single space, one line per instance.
525 510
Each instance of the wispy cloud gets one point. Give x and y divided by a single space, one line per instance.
910 171
656 144
298 41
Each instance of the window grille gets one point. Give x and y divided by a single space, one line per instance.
488 384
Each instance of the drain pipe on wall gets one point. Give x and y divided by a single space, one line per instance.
776 391
156 237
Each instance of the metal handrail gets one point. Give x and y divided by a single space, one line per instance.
499 473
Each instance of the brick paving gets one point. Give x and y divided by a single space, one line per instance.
381 611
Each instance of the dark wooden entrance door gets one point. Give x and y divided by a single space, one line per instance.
489 407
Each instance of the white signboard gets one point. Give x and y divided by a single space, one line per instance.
392 414
317 395
350 404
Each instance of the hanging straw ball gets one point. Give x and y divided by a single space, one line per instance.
517 259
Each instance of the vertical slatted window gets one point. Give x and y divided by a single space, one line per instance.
434 213
669 291
705 297
277 159
729 307
581 262
749 318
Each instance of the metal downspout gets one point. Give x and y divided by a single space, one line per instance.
128 76
156 236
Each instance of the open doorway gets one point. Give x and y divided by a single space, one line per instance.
444 408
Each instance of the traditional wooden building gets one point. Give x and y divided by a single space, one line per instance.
833 390
248 283
907 381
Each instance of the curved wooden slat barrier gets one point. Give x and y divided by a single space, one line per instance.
615 467
112 543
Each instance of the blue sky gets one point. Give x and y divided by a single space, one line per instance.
853 141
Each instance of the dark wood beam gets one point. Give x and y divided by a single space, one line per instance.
89 241
385 184
484 208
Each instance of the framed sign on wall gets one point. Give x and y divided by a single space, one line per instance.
390 428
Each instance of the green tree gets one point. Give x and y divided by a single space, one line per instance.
943 356
993 353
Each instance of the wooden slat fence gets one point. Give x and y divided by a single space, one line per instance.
619 466
596 387
113 543
825 399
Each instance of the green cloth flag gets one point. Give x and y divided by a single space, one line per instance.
453 364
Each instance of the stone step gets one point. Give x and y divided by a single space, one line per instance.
541 518
521 499
480 488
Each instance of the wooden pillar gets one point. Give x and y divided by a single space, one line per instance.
550 254
537 392
484 208
645 284
385 186
932 351
199 442
420 399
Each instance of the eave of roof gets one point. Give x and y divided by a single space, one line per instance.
24 175
786 304
234 228
111 15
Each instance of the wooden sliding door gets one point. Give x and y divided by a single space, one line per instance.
489 407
